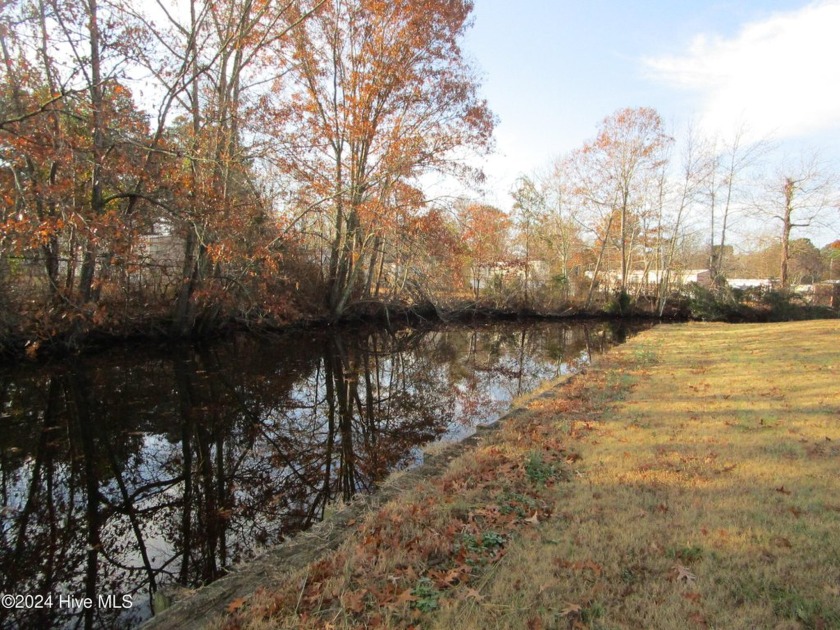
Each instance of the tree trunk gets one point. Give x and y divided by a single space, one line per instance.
182 320
374 257
598 264
790 189
182 316
96 198
624 203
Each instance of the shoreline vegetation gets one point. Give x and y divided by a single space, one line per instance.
687 479
61 332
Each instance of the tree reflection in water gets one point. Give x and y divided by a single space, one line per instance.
136 469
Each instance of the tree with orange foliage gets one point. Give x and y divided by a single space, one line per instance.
378 94
68 138
486 232
427 254
614 174
832 252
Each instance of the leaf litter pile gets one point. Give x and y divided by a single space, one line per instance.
688 481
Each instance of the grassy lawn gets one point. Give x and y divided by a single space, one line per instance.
691 480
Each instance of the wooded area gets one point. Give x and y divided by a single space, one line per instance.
242 160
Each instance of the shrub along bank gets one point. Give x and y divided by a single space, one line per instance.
56 330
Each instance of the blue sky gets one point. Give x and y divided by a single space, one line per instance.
552 70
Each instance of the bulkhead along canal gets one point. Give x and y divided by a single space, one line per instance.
141 469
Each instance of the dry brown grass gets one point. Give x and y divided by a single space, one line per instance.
704 463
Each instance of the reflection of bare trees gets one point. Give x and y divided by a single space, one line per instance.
122 474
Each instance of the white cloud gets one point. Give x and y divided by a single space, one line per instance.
779 77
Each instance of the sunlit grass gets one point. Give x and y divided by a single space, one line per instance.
708 497
689 481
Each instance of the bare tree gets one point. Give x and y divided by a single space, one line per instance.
725 188
559 224
673 211
801 195
614 172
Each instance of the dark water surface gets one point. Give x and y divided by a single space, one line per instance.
138 469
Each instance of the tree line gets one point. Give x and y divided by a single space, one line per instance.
213 159
194 162
635 208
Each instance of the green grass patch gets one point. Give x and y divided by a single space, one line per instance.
427 596
685 554
540 472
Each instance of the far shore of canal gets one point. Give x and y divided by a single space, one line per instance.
687 479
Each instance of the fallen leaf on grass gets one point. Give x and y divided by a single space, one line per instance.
235 605
447 579
471 593
779 541
571 610
535 623
354 602
681 573
406 597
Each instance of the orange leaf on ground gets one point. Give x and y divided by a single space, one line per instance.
235 605
355 601
447 579
406 597
571 610
535 623
592 566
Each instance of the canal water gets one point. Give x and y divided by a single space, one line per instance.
142 468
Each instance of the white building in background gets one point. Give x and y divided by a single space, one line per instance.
752 283
652 279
